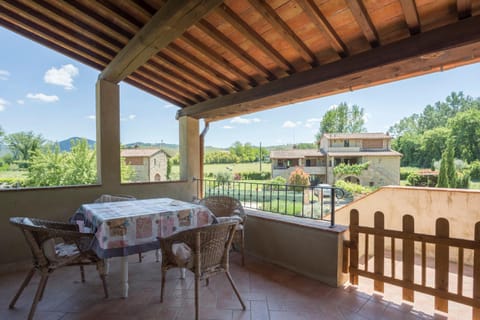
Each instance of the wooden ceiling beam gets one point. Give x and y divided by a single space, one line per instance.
336 76
464 9
218 59
251 35
316 16
170 21
230 86
411 16
139 83
231 46
360 14
280 26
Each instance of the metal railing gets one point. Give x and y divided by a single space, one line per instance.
312 202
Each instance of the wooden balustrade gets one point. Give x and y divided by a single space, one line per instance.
408 238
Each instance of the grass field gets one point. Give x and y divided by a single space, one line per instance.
227 167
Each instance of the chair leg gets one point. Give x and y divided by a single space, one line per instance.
41 287
235 289
82 273
102 271
140 257
25 283
162 289
242 247
197 286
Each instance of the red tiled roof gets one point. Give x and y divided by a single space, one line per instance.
139 152
363 135
296 154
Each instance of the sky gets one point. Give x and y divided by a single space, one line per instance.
53 95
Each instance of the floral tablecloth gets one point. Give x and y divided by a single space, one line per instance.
127 227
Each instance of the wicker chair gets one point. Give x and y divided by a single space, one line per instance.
41 236
223 207
204 251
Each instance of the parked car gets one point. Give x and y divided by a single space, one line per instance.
327 190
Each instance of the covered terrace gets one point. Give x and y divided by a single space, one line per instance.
218 59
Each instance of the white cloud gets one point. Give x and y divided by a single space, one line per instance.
4 74
291 124
227 127
3 104
62 76
333 107
168 106
241 120
312 122
91 117
132 116
42 97
20 101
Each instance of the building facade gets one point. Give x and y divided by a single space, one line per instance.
148 164
350 148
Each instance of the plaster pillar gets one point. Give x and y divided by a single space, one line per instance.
108 133
189 148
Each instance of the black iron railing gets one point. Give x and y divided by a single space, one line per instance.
314 202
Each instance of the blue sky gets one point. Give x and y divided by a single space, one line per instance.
53 95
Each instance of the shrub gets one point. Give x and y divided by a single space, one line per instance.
406 171
475 169
298 177
352 188
223 176
416 180
254 175
13 182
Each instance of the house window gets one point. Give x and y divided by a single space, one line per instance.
346 143
308 163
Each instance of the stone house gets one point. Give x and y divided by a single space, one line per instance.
148 164
350 148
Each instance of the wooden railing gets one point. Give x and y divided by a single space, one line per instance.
387 240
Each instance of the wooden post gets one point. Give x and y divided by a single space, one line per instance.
441 263
378 251
354 247
476 275
408 257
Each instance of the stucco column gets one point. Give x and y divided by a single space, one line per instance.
108 133
189 148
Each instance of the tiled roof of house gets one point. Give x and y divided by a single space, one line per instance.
296 154
363 135
139 152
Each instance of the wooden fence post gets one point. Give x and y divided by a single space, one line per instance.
353 247
408 257
476 275
378 251
441 263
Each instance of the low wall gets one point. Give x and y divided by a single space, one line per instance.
305 246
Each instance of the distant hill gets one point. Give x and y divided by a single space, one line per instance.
65 145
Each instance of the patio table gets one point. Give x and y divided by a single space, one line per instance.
127 227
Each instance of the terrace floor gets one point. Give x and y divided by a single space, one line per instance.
270 293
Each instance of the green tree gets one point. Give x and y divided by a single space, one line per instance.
23 145
47 168
447 175
342 119
466 128
127 173
298 177
80 164
433 143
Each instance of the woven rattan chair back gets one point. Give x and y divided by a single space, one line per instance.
74 251
210 246
225 207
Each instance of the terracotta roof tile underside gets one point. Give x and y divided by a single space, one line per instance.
218 59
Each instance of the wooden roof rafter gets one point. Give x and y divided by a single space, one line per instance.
231 17
464 8
322 24
280 26
223 40
411 16
365 23
218 59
